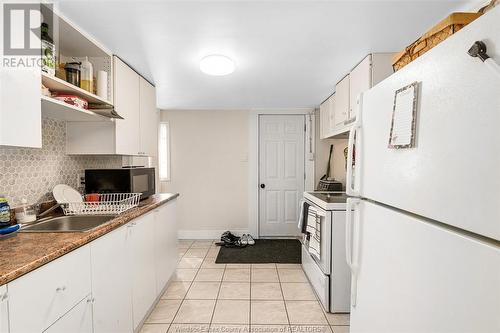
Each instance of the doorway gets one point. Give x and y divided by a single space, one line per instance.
281 173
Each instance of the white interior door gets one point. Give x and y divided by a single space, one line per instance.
281 173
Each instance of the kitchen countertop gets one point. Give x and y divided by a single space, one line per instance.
24 252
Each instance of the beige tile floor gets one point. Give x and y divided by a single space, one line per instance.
205 297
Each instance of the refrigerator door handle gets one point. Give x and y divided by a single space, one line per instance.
352 176
349 245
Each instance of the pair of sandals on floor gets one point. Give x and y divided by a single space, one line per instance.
230 240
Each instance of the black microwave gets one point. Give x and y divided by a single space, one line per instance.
125 180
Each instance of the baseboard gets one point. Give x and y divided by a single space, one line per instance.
207 234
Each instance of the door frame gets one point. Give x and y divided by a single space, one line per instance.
253 159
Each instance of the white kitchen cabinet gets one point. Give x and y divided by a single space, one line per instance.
77 320
148 119
324 120
127 104
111 282
370 71
165 243
48 292
136 135
342 105
142 265
4 309
327 117
20 108
360 79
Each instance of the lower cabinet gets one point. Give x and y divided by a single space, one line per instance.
39 298
142 265
4 309
111 282
106 286
165 233
77 320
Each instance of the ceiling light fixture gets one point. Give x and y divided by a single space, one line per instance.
217 65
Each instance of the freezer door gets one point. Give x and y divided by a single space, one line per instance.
453 173
414 276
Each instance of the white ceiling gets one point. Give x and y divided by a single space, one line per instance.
289 54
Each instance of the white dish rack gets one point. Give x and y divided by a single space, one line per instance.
108 204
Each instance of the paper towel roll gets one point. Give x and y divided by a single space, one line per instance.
102 84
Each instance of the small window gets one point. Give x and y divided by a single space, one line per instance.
164 151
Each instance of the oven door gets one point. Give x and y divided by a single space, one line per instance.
323 260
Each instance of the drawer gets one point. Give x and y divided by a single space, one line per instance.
47 293
319 281
77 320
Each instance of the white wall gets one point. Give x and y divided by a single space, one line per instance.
338 161
209 168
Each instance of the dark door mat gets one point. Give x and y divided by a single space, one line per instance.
265 251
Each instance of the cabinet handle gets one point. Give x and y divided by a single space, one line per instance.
4 297
91 300
59 289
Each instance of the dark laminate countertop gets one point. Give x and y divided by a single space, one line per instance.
24 252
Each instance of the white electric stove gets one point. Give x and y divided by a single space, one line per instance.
329 273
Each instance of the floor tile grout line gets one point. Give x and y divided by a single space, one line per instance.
283 295
184 298
180 304
217 298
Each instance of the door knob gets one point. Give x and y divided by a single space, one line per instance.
262 185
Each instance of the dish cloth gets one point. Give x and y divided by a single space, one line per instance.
304 209
314 229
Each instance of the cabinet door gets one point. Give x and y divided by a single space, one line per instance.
360 80
48 292
149 119
20 108
142 268
4 310
324 120
331 113
342 101
111 283
77 320
126 94
165 243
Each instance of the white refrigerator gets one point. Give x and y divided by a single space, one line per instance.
423 235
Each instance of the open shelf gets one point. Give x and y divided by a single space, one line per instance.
55 84
55 109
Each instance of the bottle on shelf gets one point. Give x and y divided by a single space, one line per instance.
48 51
87 76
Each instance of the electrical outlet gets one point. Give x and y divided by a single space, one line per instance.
80 180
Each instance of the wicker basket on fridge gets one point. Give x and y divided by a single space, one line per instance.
433 37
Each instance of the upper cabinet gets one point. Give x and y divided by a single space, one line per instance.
344 110
135 135
342 106
327 116
23 102
149 118
127 104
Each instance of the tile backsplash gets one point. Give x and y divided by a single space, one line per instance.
32 173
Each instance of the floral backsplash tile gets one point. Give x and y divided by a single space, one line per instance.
32 173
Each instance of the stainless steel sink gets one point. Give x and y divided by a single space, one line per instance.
68 223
